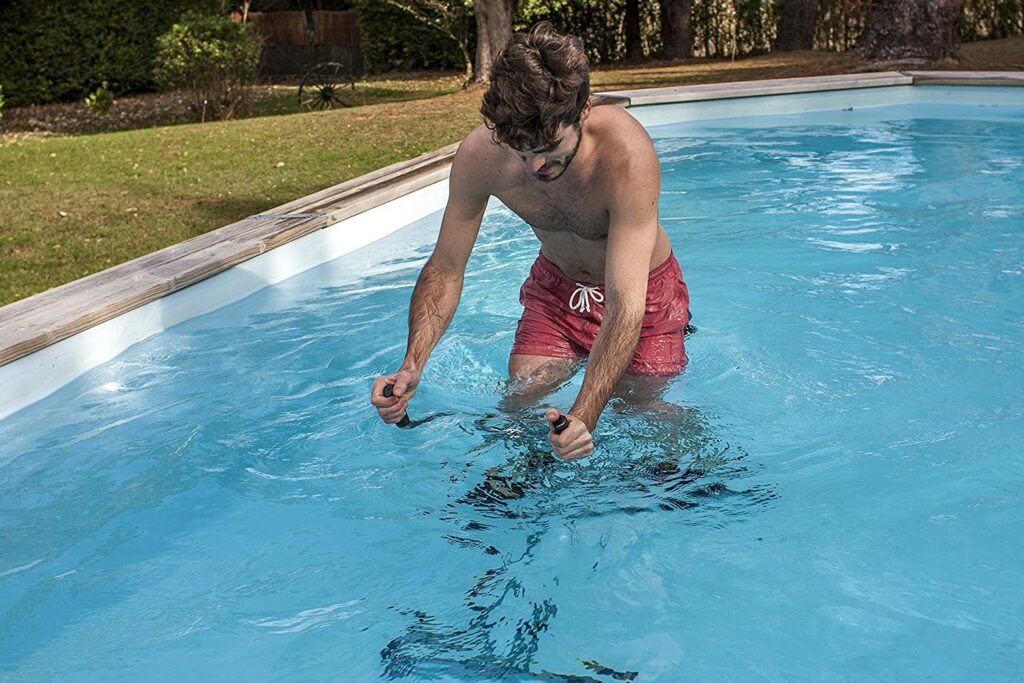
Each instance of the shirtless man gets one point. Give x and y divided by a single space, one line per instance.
605 284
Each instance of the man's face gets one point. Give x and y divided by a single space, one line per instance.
550 163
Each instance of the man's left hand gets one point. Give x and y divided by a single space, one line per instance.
575 441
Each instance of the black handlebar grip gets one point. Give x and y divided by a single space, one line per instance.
389 391
560 425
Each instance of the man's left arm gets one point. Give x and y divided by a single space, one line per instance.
632 235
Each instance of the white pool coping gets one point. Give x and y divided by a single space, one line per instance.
335 229
654 117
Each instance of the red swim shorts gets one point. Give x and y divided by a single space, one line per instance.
561 317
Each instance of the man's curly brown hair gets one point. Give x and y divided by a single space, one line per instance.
539 81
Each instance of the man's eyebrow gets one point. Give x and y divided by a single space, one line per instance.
550 147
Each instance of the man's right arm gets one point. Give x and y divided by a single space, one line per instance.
439 286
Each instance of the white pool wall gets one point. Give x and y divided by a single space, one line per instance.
654 115
32 377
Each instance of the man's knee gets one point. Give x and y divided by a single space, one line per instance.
646 393
539 370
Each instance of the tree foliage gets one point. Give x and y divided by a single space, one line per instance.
395 39
720 28
58 51
601 24
450 18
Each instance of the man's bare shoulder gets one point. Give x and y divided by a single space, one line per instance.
482 161
624 139
478 143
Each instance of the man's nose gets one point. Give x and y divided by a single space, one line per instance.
536 162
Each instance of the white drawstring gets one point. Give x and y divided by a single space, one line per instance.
580 299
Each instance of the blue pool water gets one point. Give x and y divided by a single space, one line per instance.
839 496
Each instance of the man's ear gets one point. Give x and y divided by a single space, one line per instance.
585 112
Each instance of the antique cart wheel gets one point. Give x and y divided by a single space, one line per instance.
325 86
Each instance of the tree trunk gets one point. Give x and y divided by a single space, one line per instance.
467 62
676 29
493 30
634 48
916 30
797 25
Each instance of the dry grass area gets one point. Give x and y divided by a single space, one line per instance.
71 205
991 55
695 71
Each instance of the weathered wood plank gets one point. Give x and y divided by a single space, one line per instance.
370 180
776 86
599 99
967 77
122 274
359 204
105 298
46 318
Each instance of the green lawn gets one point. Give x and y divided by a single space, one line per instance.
71 206
75 205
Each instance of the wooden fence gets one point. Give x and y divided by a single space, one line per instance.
294 42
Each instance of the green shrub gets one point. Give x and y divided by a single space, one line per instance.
394 40
598 23
213 58
100 100
60 51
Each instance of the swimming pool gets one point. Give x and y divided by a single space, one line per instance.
838 497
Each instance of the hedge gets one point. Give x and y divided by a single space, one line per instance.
53 51
394 40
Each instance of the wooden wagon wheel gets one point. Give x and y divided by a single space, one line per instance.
325 86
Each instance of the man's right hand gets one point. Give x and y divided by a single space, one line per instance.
404 383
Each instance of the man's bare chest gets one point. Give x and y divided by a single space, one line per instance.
568 208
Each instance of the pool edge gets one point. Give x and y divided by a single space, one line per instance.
31 324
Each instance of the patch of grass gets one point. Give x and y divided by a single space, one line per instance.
71 206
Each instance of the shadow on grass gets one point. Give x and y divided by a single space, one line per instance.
222 211
287 102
